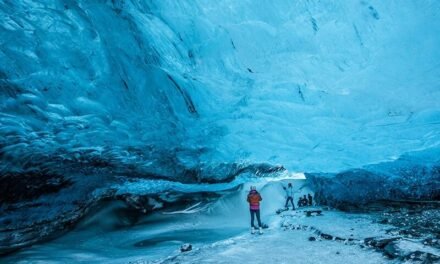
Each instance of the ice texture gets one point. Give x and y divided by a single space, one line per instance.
168 105
166 87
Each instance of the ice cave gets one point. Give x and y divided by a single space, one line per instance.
154 131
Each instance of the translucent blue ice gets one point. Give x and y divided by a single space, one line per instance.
163 85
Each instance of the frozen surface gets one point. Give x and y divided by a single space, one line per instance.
277 246
219 234
154 87
108 237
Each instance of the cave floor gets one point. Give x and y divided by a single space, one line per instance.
292 237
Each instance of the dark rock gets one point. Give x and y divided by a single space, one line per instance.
431 242
16 187
391 251
410 232
311 212
186 247
431 258
383 242
384 221
279 211
422 256
312 238
326 236
378 242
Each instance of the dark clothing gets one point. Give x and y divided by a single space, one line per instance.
253 214
289 198
302 202
310 200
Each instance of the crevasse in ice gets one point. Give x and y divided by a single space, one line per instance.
169 87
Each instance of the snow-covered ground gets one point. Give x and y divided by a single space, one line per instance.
218 234
278 245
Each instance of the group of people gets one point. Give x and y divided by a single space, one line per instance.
254 198
305 201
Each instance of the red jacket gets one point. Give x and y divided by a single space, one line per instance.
254 199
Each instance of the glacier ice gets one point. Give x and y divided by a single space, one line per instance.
157 84
151 102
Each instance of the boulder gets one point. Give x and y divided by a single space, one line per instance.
391 250
186 247
379 243
422 256
326 236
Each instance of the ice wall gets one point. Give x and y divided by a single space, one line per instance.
91 83
315 86
175 88
414 176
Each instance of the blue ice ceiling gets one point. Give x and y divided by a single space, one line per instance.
163 87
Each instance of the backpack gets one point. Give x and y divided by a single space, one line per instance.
254 198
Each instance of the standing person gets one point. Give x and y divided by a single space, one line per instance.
254 199
289 196
310 199
300 202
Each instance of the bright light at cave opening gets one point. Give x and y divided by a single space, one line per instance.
286 175
298 176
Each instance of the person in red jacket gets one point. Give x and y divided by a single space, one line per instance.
254 199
